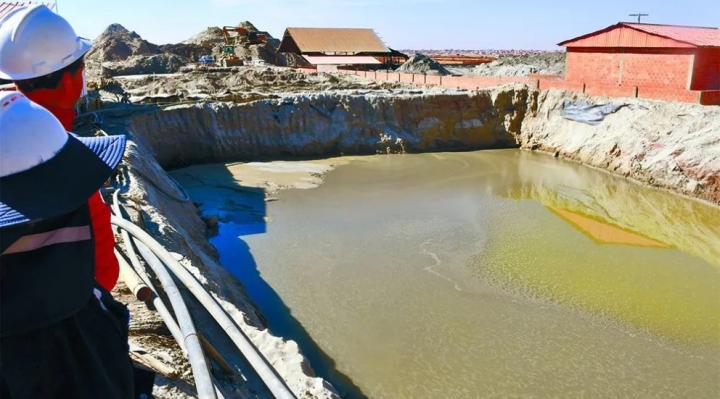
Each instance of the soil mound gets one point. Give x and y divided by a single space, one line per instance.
212 36
211 42
420 63
116 43
523 64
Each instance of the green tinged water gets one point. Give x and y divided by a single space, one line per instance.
494 274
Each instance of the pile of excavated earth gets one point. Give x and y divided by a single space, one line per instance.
551 62
668 145
118 51
422 64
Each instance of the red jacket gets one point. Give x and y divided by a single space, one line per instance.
107 269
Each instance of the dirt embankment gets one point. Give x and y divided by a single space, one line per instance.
669 145
332 124
152 198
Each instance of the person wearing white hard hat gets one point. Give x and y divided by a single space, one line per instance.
57 338
43 56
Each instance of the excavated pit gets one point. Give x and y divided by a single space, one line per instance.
667 145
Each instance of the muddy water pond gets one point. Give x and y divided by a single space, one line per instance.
492 274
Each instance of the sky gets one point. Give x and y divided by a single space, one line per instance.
402 24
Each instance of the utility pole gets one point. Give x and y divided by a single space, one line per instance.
639 15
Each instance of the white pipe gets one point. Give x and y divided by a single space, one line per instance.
268 375
184 331
155 264
191 341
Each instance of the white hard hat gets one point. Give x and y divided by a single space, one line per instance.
28 133
45 171
34 41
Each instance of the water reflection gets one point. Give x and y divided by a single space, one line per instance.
602 232
662 291
496 274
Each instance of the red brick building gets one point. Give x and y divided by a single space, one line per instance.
680 61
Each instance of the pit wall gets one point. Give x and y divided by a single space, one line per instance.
326 124
663 144
179 228
542 82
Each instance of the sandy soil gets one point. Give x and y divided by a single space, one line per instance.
271 176
246 80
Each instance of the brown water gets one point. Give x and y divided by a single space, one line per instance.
494 274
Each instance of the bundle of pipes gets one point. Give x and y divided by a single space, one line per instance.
183 329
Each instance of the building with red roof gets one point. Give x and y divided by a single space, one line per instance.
639 55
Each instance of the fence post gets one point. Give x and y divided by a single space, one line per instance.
583 88
635 91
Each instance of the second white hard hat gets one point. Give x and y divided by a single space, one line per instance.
44 171
35 41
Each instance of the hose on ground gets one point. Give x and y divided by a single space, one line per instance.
140 270
165 315
190 339
266 373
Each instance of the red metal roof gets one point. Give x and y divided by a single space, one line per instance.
626 34
6 7
341 60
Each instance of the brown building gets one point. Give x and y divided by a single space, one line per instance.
642 55
329 48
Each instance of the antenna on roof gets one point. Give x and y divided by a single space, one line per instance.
639 15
